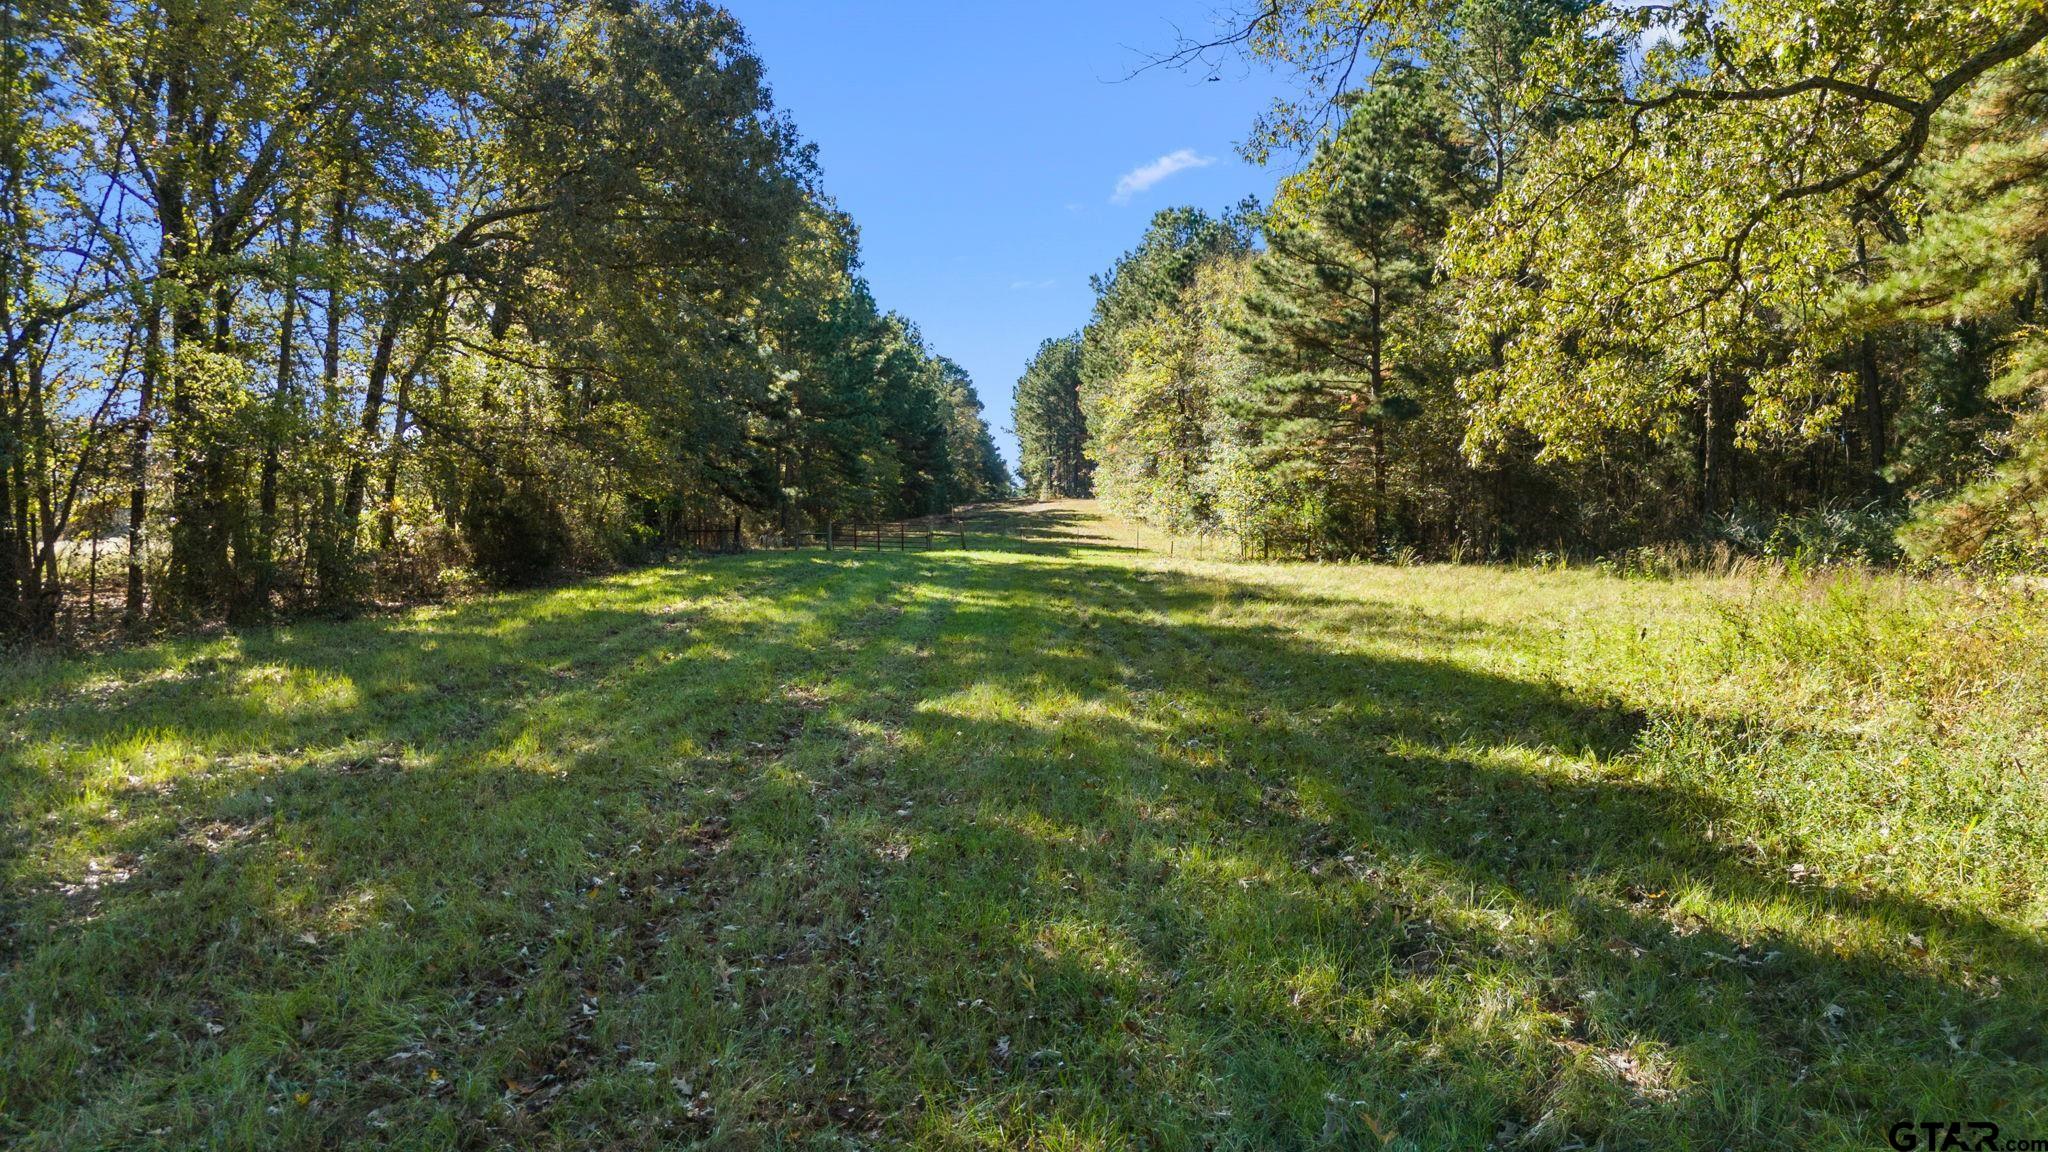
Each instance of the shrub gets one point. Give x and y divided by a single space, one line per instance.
516 536
1831 533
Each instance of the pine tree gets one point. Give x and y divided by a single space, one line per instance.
1052 434
1335 321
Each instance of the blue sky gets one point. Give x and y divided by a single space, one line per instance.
995 157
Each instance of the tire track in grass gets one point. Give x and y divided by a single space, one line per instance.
801 951
771 913
879 1034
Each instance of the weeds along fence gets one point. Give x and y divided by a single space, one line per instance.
902 537
725 539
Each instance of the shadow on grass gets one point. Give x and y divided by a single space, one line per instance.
1016 847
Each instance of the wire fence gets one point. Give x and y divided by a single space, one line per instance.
907 536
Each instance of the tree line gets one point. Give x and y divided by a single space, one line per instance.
1585 276
303 304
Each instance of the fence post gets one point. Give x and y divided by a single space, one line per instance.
736 532
828 535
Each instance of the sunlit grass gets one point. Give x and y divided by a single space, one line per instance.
1051 843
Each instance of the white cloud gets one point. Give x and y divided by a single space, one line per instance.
1139 179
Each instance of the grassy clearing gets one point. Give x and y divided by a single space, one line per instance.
1061 844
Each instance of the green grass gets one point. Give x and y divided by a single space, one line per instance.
1053 843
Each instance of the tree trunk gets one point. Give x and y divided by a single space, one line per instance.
264 560
11 576
21 556
11 424
387 512
1876 450
1713 463
194 576
1379 435
1379 487
43 591
202 575
17 568
1870 385
138 467
331 560
356 488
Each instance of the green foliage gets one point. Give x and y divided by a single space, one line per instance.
1827 534
866 422
1150 365
516 535
330 282
1978 268
1340 323
975 467
1052 431
1589 275
1328 380
1679 255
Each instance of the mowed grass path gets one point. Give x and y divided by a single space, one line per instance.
1053 843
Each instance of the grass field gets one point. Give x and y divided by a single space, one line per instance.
1053 843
